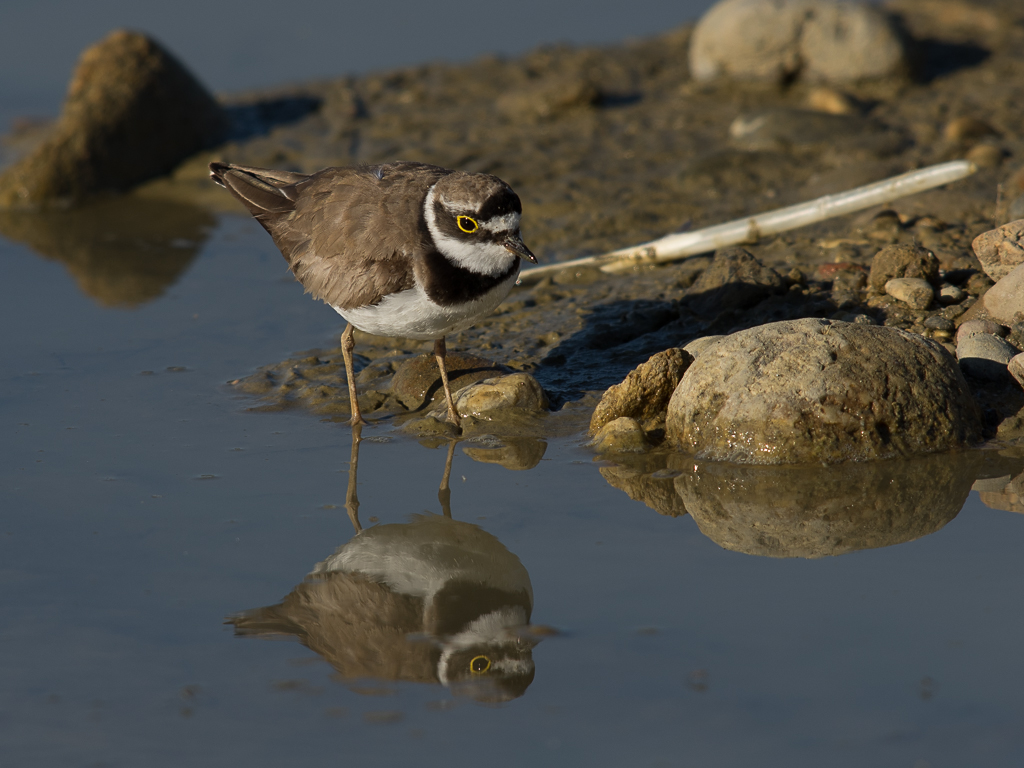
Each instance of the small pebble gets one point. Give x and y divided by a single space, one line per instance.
1016 367
974 327
623 435
950 294
984 355
978 283
985 155
1004 301
912 291
832 101
964 129
939 323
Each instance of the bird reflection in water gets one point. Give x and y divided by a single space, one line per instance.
434 600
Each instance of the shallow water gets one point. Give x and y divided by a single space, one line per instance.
143 506
232 45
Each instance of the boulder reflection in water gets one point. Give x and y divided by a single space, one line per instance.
817 511
434 600
122 252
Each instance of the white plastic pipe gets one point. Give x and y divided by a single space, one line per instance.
679 246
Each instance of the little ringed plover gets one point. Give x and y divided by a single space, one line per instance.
399 249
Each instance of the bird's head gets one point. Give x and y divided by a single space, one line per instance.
474 219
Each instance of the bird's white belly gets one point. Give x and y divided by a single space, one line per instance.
412 315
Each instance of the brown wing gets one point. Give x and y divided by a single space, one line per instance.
350 235
361 627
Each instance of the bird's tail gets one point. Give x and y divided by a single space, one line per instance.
261 190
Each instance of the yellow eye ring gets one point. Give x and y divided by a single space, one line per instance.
467 224
479 665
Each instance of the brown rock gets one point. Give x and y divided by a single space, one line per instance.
645 392
621 435
832 101
495 397
821 391
967 129
974 327
418 381
1016 368
985 155
902 261
132 112
735 279
549 97
1000 250
912 291
1004 301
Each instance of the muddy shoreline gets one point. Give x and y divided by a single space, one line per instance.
613 146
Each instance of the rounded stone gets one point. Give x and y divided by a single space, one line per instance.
912 291
418 380
1016 368
984 355
985 155
967 129
939 323
491 398
1004 301
821 391
902 261
832 102
813 40
645 392
622 435
974 327
1001 249
951 294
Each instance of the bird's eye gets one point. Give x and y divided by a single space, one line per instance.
479 664
467 224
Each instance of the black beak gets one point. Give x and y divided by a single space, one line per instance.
515 244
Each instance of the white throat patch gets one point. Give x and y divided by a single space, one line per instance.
489 259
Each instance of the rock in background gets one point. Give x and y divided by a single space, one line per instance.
785 40
132 112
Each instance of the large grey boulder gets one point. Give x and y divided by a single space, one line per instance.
821 391
813 40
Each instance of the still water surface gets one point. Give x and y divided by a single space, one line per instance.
142 507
